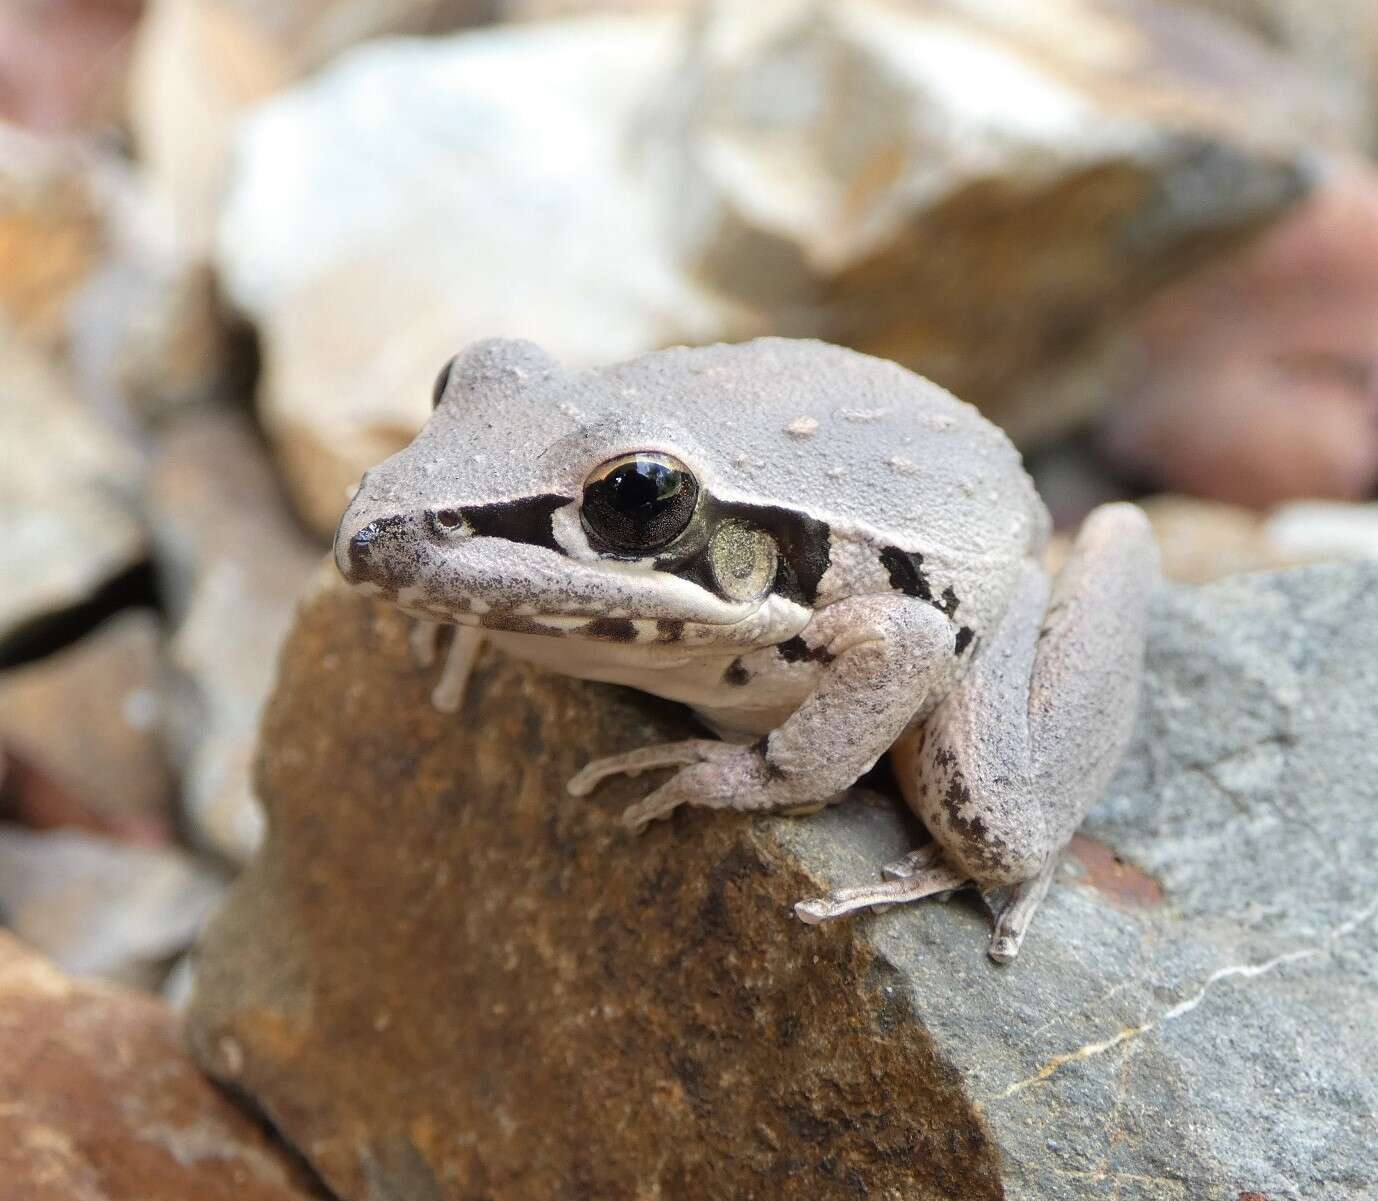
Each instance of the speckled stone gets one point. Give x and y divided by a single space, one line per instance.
445 979
100 1102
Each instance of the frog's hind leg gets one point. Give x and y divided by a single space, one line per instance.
1004 770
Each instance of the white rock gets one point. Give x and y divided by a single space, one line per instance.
1325 530
68 490
423 194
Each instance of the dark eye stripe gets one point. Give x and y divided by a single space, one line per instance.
804 544
526 520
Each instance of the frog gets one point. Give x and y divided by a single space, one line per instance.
827 557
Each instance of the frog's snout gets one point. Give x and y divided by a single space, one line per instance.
381 553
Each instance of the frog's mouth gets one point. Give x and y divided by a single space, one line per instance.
521 588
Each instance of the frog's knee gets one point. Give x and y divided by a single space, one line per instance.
997 835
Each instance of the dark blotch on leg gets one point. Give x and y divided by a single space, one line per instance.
796 650
618 629
736 674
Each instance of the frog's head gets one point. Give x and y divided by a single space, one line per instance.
574 505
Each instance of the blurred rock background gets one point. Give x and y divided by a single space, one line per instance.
238 238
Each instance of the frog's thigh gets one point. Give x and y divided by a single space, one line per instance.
1004 770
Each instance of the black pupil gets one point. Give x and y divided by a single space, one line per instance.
643 489
640 504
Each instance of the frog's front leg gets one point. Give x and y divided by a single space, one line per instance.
1004 770
882 654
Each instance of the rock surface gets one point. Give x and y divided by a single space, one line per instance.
232 562
1256 381
1204 540
200 65
511 207
101 908
444 978
1335 40
67 492
604 186
53 233
101 1103
90 719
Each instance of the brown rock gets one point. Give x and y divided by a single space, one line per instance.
446 979
573 1013
90 719
231 562
100 1102
1256 381
53 234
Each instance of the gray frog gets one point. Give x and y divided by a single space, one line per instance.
825 555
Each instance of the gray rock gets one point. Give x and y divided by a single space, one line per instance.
1225 1040
443 976
103 908
231 563
68 493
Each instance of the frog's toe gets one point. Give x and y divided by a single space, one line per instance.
926 883
1014 909
656 807
913 863
646 758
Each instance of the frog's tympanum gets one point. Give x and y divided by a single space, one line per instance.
823 554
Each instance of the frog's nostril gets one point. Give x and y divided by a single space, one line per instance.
369 555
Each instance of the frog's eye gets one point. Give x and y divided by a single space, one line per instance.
442 381
639 502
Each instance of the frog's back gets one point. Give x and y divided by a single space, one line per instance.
875 448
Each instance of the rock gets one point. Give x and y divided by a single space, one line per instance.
102 908
1320 530
231 562
96 276
63 62
90 718
468 229
53 234
200 65
604 186
445 978
103 1104
67 492
842 169
1204 540
1335 40
1256 381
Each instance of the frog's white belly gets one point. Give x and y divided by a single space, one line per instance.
773 689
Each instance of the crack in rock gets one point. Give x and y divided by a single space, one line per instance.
1242 970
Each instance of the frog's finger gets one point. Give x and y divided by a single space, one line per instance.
646 758
656 807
